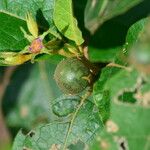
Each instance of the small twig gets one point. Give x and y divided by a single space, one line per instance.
4 133
119 66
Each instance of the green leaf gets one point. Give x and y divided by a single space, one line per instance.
127 127
97 12
113 82
19 140
103 47
139 55
101 95
12 15
124 80
35 97
36 7
65 22
11 37
135 32
103 55
86 125
65 105
109 53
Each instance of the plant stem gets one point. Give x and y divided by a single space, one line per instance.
5 138
119 66
84 97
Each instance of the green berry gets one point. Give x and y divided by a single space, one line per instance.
70 76
65 105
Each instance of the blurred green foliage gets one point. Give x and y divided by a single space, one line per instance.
116 117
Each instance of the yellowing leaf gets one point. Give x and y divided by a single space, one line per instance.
32 25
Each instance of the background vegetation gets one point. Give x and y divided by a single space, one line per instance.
116 37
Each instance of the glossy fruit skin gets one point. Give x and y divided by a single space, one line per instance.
69 76
65 105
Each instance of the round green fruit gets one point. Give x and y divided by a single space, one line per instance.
65 105
71 75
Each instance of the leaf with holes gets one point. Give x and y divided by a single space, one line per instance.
124 130
122 81
86 125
